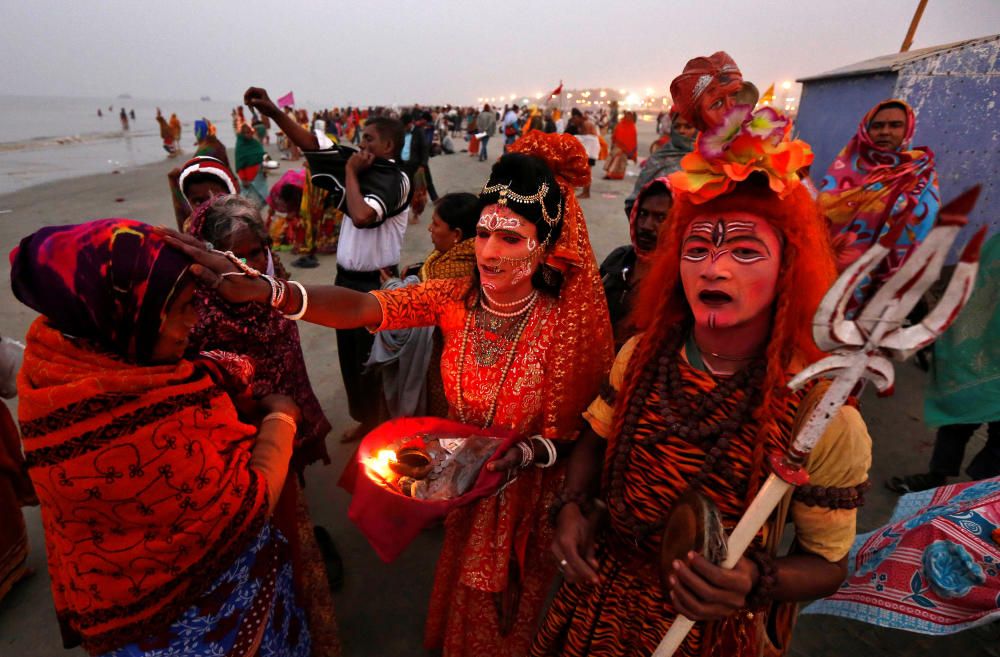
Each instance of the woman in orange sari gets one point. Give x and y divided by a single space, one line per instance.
156 497
624 147
513 336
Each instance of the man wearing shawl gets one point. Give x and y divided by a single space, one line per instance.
624 147
667 159
876 182
625 267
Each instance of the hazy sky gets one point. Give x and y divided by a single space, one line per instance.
376 51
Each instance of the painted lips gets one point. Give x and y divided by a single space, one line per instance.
714 297
490 271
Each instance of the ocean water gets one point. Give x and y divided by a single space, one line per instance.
52 138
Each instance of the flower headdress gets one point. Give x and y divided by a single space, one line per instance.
746 141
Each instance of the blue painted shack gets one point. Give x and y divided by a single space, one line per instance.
954 90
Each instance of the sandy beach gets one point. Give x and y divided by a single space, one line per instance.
381 607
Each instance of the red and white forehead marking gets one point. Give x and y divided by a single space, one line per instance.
717 232
498 217
720 229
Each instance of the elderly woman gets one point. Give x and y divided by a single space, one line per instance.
156 496
513 333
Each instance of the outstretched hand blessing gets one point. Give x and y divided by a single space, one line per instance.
210 266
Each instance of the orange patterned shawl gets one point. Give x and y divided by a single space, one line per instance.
144 481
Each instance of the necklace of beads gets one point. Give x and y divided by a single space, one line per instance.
460 402
512 304
684 415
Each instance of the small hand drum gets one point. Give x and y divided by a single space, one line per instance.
694 524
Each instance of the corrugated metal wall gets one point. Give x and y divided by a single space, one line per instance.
956 96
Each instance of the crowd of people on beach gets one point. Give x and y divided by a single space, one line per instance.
165 416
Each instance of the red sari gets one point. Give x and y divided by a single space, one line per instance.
495 568
499 544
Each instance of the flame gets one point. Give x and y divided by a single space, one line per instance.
379 464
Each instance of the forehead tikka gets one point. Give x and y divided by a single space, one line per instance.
506 193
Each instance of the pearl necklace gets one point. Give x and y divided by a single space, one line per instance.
512 304
517 313
460 402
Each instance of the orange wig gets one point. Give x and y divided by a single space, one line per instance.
807 271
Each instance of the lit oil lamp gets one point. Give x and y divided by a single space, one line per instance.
380 464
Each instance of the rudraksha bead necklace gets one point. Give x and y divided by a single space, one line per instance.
685 415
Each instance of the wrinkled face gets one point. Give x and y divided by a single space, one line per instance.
376 144
175 330
652 212
684 128
716 100
442 235
200 192
729 268
245 244
507 249
888 128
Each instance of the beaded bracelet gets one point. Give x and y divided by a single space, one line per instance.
565 497
760 595
241 263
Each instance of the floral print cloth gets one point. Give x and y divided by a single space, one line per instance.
934 569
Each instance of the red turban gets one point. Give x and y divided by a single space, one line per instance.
705 80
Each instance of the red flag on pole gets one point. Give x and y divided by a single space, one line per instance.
557 90
288 100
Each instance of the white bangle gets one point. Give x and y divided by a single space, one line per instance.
305 301
550 447
281 417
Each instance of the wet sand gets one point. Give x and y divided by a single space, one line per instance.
381 607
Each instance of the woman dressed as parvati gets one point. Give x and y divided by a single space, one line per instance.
527 343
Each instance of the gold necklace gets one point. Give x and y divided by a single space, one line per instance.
460 402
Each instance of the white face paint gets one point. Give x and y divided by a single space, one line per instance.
494 221
729 268
507 249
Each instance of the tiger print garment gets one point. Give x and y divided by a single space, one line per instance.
629 612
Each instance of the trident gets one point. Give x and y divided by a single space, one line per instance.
859 350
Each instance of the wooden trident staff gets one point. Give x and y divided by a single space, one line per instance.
859 350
